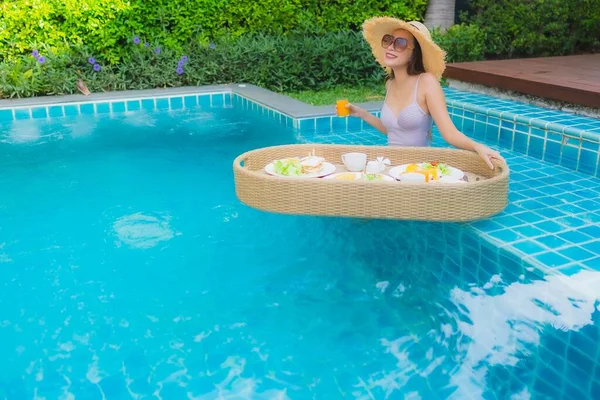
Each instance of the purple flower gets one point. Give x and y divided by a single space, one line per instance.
157 50
146 44
35 53
179 70
136 40
41 59
212 46
184 59
91 60
180 64
97 67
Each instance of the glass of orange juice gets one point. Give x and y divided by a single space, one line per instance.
340 107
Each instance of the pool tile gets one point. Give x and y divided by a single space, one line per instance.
190 101
593 231
536 147
148 104
575 236
506 235
549 227
530 217
71 110
529 247
204 101
118 106
6 115
217 100
528 231
576 253
56 111
323 124
133 105
570 157
552 153
102 108
593 246
552 259
551 241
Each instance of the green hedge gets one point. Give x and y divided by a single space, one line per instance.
106 27
524 28
286 63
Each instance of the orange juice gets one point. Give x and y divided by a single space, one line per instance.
340 108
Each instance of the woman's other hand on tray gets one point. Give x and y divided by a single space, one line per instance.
488 155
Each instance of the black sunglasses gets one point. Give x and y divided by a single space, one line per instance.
400 44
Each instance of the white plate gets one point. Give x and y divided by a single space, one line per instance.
359 176
327 169
455 173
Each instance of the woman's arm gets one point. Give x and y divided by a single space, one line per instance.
436 103
368 118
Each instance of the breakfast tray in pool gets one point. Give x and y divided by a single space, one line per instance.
485 192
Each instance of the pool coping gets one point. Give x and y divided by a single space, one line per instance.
279 102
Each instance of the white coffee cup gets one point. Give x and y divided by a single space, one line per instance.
354 162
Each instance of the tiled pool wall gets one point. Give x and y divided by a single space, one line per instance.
205 100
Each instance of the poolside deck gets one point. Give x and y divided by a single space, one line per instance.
571 79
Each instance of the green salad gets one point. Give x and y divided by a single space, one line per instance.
373 177
443 168
288 167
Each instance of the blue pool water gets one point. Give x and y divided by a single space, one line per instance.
128 269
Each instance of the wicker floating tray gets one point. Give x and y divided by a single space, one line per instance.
485 193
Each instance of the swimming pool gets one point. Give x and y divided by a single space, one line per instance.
130 270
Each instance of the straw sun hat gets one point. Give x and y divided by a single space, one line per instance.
433 56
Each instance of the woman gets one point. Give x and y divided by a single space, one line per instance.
414 96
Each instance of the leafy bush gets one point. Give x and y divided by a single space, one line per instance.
462 42
515 28
283 63
106 27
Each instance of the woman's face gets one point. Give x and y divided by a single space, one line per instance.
394 56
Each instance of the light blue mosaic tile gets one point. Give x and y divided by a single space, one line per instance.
552 259
576 253
162 104
176 103
576 236
552 153
528 247
102 108
594 263
570 156
506 235
22 114
190 101
551 241
118 106
307 124
204 101
549 227
536 147
87 109
148 104
227 99
71 110
217 100
6 115
323 124
588 162
55 111
133 105
39 112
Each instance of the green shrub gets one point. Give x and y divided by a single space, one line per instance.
106 27
515 28
462 42
286 63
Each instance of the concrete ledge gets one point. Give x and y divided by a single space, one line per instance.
282 103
